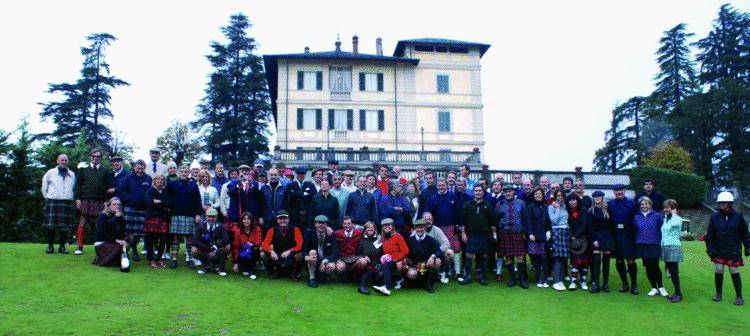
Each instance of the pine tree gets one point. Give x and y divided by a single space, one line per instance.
86 102
234 114
623 146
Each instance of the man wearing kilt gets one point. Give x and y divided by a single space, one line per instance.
424 258
133 191
186 211
59 210
445 208
622 211
478 219
512 243
91 187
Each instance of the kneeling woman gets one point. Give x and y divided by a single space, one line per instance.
394 252
111 237
370 250
726 233
246 240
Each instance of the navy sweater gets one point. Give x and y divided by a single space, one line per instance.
185 198
133 191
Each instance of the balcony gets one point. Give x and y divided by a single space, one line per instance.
366 156
341 95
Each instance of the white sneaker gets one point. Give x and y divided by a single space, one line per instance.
572 286
78 252
558 286
459 279
584 286
653 292
444 280
382 289
246 273
222 273
540 285
201 271
545 285
663 291
197 262
166 256
253 277
398 284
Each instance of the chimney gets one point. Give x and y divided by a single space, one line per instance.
379 46
307 50
338 44
355 44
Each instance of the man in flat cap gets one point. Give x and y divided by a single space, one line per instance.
322 251
281 248
299 196
155 167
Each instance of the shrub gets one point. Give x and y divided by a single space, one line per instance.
687 236
670 155
688 189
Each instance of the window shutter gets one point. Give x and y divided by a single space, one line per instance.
319 80
381 120
331 113
300 114
362 120
350 119
318 118
380 82
300 80
361 81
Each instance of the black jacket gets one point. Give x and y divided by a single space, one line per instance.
726 234
537 221
478 217
328 206
160 210
218 237
580 227
330 245
298 199
109 228
421 251
367 248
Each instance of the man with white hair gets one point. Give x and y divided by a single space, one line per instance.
155 167
59 209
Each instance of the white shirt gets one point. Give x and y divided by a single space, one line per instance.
213 195
55 187
224 199
161 169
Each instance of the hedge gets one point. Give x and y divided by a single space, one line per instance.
687 189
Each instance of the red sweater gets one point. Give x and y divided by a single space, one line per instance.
382 185
348 245
396 247
241 237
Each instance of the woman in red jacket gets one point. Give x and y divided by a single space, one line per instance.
247 238
394 252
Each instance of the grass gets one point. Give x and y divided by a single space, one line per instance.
64 295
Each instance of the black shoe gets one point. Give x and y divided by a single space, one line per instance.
363 290
191 265
482 281
739 301
312 283
634 290
624 289
676 298
429 289
716 297
524 283
594 288
605 288
50 250
62 250
173 265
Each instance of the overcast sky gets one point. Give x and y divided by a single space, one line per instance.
550 79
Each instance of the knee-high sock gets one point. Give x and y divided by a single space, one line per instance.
63 237
311 270
737 282
595 267
150 246
81 233
175 250
457 263
718 282
365 278
468 262
605 269
620 266
674 271
633 271
50 237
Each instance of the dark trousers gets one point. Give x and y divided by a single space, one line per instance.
63 236
388 270
248 264
653 272
212 262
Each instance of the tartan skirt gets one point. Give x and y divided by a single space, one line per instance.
512 244
107 254
671 253
453 238
733 261
182 225
155 225
560 242
536 247
59 214
478 243
134 220
91 207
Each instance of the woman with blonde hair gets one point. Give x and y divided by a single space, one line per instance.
111 239
601 242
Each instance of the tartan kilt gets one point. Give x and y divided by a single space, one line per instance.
350 259
561 243
59 214
107 254
182 225
155 225
134 220
536 247
671 253
453 238
732 261
91 207
478 243
512 244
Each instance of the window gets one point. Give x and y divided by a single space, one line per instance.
441 49
370 81
444 121
339 120
371 123
308 119
309 80
340 80
458 50
424 48
442 83
371 120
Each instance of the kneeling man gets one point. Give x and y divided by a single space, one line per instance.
424 256
210 244
282 246
322 251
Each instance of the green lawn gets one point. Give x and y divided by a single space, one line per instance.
64 295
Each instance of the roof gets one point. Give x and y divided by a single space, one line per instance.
272 67
400 46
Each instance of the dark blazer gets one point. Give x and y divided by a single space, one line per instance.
298 199
330 245
218 237
328 206
421 251
537 220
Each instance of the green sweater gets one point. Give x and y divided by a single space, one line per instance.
478 217
92 184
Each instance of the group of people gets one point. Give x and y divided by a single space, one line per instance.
381 230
